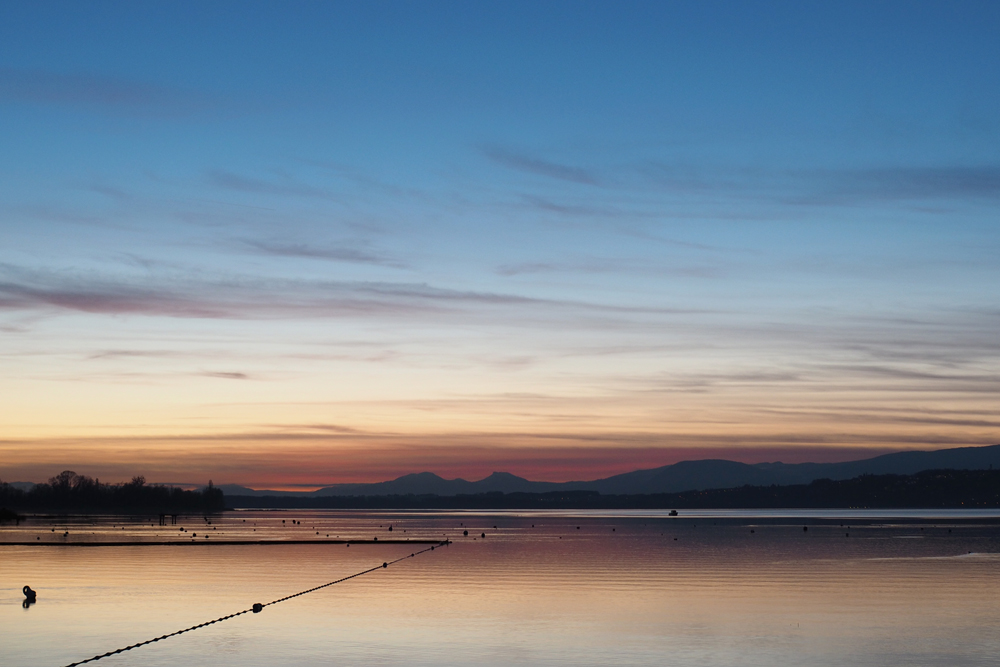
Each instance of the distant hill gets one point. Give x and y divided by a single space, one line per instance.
678 477
420 483
929 489
721 474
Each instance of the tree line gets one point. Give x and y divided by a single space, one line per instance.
79 494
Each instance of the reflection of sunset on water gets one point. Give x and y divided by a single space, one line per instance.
536 590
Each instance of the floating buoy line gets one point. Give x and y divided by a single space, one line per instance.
257 607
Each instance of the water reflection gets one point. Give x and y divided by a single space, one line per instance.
539 589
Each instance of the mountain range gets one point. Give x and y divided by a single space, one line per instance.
683 476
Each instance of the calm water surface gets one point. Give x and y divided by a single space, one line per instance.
541 589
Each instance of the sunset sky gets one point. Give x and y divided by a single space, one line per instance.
292 244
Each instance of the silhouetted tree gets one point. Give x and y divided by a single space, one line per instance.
70 492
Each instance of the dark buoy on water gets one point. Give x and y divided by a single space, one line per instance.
384 565
465 532
805 529
257 607
29 594
483 535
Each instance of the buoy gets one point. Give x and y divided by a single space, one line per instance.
465 532
257 607
390 529
28 593
384 565
484 535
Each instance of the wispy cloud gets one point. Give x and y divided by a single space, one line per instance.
227 180
905 183
310 251
828 186
100 296
223 375
140 354
867 414
542 167
83 90
583 210
256 298
608 266
817 187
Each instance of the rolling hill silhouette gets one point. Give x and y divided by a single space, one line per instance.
683 476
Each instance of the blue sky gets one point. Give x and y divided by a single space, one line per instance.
564 239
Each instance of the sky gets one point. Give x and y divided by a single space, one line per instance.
293 244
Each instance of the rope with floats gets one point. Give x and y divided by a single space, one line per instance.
257 607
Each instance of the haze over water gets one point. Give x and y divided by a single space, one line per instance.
541 589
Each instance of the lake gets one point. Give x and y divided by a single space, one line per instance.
542 588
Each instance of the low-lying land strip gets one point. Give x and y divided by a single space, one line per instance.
956 489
